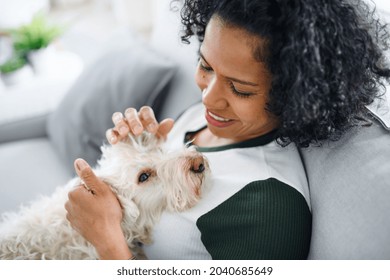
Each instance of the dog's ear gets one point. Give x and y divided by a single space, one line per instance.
130 212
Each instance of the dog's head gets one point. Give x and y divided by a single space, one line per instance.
184 175
148 179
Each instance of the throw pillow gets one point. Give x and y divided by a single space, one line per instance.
129 77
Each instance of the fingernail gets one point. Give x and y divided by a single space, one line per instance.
117 117
81 164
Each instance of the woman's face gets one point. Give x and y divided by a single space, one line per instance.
234 84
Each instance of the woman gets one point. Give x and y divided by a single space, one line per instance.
293 71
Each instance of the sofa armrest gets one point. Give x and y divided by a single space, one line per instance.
24 129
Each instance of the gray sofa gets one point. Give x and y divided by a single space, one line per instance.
349 179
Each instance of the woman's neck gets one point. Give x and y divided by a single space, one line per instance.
204 138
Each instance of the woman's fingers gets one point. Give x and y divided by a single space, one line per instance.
148 119
164 128
91 183
112 136
133 121
121 126
71 208
136 122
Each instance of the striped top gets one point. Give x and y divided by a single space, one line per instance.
258 206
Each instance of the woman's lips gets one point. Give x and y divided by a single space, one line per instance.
217 121
218 118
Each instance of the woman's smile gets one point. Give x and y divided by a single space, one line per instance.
217 121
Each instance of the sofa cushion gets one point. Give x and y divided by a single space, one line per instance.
129 77
28 168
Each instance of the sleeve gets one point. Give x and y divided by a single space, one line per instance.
265 220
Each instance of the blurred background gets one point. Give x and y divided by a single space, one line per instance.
60 37
86 22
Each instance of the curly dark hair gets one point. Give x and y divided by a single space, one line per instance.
327 59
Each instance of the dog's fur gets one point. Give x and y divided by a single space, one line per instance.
174 182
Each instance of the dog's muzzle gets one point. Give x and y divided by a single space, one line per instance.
198 164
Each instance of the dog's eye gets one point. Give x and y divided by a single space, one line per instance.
146 174
143 177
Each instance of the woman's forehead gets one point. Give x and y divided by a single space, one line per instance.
223 34
231 48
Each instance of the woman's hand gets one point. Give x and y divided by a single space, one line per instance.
95 212
135 123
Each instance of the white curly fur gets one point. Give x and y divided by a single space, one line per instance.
41 231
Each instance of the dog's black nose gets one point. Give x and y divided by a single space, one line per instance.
198 165
199 169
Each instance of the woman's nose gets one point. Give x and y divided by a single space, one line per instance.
213 94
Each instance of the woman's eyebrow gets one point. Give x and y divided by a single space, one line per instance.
242 82
202 56
231 78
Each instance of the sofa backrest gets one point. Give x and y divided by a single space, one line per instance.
350 195
350 191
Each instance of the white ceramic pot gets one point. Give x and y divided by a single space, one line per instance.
2 86
41 60
19 76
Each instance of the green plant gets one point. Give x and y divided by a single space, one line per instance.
39 33
14 63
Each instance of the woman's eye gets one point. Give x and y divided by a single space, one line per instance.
204 67
240 93
143 177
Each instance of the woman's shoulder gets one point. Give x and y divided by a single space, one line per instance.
260 163
272 214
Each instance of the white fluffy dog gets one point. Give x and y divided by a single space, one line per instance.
147 181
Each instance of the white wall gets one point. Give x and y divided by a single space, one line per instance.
16 12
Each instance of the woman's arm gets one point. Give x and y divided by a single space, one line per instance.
95 212
267 219
93 209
